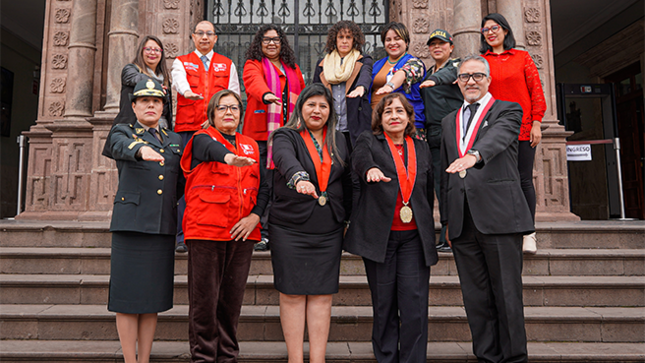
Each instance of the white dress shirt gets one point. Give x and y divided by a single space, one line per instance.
180 83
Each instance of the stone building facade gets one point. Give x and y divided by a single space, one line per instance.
87 43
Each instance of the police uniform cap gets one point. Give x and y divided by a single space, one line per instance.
147 88
440 34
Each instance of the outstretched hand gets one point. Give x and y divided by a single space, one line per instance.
375 175
235 160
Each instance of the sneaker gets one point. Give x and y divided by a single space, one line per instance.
263 245
529 244
181 247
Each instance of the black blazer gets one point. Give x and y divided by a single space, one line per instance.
492 187
146 198
359 111
290 155
371 222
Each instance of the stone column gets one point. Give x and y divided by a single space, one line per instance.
512 11
466 20
123 38
82 48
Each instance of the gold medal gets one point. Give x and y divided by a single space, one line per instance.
322 200
406 214
462 174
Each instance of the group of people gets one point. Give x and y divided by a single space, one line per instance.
351 162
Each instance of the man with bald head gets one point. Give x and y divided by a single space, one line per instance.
197 76
486 214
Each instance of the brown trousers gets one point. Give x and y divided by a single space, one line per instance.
217 275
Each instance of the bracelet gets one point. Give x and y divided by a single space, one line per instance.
298 176
391 85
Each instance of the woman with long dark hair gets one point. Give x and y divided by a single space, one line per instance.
272 81
312 191
515 78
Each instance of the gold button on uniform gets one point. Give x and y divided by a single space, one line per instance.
161 150
159 191
161 163
122 198
160 177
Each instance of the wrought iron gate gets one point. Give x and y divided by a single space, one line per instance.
305 21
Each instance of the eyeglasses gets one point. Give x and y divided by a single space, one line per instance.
465 77
275 40
201 33
493 28
152 50
224 108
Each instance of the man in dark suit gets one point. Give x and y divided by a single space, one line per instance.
486 213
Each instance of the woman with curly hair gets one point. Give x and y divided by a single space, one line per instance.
399 72
273 81
347 72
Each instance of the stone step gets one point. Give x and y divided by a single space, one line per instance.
59 351
354 290
547 262
348 324
582 234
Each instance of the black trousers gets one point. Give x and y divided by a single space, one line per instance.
399 289
268 173
525 161
217 274
490 272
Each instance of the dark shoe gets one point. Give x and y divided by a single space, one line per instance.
263 245
442 245
181 247
445 248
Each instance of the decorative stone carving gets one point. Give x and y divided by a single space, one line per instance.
420 4
421 26
59 61
57 85
171 4
62 15
532 15
61 38
171 49
170 26
421 50
56 108
538 60
534 38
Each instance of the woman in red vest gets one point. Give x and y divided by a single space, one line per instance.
312 191
223 207
272 81
515 78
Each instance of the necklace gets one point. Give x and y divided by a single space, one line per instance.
395 61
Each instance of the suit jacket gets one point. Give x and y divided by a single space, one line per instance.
359 111
146 198
290 155
492 187
371 222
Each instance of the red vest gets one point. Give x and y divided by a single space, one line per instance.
218 195
191 114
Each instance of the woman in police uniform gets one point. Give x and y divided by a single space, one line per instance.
144 221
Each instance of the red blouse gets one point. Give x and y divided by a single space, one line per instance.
515 78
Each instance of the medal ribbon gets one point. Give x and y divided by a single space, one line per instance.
406 177
471 138
323 169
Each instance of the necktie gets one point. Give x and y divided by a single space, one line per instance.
205 61
155 133
471 110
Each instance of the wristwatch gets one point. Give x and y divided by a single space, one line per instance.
475 153
391 85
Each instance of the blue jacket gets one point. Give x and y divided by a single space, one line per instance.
414 96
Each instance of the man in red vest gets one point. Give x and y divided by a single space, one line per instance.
197 76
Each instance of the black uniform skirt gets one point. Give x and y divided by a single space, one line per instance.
305 263
142 272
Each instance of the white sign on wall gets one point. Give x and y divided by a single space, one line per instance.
579 152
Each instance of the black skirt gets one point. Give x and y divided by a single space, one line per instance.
305 263
142 272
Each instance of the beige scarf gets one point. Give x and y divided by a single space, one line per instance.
336 73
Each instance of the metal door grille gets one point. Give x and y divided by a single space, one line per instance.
305 22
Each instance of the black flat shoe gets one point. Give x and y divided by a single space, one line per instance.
181 247
263 245
445 249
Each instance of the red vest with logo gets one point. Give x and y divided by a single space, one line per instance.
218 195
192 113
